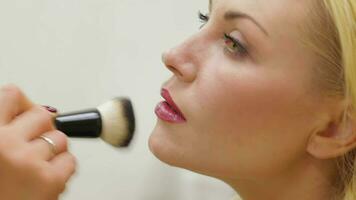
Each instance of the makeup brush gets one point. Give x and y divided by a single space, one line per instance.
113 122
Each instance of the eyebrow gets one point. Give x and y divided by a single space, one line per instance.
232 15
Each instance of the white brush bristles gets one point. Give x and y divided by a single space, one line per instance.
114 122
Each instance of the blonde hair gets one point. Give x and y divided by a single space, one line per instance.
332 37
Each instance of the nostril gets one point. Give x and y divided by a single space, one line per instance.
175 71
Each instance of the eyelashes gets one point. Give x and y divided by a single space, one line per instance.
232 45
203 18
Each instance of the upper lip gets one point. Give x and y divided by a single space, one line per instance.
166 95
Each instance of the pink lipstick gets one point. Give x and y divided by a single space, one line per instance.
167 110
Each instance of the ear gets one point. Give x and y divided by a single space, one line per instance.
335 140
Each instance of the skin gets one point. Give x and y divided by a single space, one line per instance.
257 118
29 169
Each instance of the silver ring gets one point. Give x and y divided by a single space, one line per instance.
51 143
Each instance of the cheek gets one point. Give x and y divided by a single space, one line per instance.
247 115
249 99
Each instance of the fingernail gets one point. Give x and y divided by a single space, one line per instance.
51 109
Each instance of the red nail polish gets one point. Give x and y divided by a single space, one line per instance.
51 109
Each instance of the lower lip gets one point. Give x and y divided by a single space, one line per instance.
166 113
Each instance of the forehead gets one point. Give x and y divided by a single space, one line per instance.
278 16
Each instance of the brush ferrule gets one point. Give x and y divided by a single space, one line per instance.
80 124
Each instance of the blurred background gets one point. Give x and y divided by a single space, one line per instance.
74 54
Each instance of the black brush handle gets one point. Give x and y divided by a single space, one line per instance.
80 124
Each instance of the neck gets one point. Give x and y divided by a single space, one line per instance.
310 180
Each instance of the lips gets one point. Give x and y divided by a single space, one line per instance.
167 110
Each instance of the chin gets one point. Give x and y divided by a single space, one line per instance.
163 148
158 145
170 155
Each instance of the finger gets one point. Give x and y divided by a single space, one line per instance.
64 166
12 103
44 150
33 123
51 109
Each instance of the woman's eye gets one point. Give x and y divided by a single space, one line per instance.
234 46
203 18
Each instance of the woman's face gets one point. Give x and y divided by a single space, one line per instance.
245 87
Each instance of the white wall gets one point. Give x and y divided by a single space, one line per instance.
75 54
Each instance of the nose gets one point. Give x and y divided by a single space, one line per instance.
182 61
